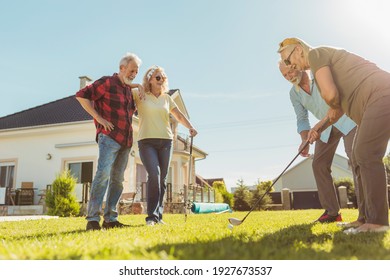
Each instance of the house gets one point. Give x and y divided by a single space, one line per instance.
207 182
40 142
301 178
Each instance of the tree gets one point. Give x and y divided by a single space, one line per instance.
242 197
61 200
261 188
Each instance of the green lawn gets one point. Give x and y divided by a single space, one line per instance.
272 235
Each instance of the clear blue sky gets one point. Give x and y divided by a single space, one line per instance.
220 54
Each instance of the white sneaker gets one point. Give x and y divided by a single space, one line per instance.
150 223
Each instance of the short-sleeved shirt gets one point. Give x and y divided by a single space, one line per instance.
113 100
314 103
359 81
153 113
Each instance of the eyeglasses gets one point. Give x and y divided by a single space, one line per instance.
158 78
287 60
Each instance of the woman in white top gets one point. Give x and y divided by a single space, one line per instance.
155 137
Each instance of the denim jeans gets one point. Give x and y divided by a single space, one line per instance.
112 163
155 155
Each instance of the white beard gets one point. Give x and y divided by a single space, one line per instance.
127 81
295 81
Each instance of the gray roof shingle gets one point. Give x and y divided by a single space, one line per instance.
64 110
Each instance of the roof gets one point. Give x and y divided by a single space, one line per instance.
65 110
311 158
202 181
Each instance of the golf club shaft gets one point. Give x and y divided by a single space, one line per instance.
189 180
281 174
190 163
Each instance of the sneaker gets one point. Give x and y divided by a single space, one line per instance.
116 224
326 218
150 223
93 225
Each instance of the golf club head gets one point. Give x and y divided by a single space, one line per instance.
235 222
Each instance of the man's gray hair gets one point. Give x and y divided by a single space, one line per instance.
130 57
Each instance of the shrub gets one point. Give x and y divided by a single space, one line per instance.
61 200
347 182
221 193
242 197
261 188
386 161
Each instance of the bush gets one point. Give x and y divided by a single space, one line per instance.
221 194
242 197
347 182
61 200
261 188
386 161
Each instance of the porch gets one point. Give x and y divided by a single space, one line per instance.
174 199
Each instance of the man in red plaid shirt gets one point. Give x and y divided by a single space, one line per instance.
110 102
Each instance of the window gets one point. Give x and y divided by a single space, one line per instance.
141 174
82 171
141 177
7 174
7 171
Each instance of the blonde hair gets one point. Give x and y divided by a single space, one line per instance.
148 75
291 43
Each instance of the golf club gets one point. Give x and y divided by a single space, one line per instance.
237 222
189 181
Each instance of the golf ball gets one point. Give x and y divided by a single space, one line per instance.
230 226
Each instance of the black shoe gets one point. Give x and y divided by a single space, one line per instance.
116 224
326 218
93 225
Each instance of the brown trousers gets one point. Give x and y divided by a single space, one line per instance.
322 162
369 149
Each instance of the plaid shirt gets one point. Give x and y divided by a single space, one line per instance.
114 102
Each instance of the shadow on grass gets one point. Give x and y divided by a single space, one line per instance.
296 242
69 233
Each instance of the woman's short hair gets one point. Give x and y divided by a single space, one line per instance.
290 43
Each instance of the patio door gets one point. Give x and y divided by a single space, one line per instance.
83 172
7 172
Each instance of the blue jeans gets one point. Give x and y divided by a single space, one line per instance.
112 163
155 155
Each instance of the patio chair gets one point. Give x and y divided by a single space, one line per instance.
126 203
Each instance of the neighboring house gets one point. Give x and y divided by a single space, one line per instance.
301 178
207 182
38 143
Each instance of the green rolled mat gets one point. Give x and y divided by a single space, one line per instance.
203 207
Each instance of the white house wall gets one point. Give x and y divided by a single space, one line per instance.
65 143
301 177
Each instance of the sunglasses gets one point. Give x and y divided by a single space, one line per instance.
287 60
158 78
